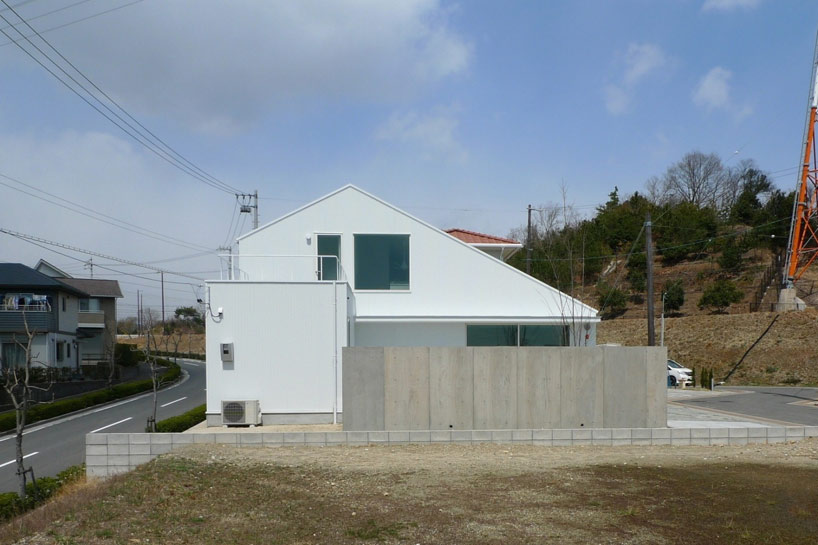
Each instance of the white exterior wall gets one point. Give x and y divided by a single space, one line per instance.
416 334
68 320
284 346
448 278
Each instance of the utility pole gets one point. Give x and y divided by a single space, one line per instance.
138 315
528 244
249 205
255 209
90 265
649 252
162 275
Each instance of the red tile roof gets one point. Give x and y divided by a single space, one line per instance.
472 237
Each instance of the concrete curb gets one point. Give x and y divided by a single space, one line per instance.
109 454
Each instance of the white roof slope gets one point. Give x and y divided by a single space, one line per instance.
449 280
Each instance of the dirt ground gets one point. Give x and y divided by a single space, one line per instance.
447 494
786 355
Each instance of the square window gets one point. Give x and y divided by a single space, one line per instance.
381 262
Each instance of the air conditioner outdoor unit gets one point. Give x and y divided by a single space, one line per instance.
241 413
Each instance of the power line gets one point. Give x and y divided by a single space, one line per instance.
31 238
69 23
127 226
144 136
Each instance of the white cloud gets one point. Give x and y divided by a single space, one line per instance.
729 5
640 60
218 66
713 93
713 90
616 99
434 133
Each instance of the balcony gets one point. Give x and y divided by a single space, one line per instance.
91 319
15 320
282 268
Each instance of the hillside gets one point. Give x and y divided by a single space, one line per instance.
786 355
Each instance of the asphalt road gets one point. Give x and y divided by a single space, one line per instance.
53 446
797 406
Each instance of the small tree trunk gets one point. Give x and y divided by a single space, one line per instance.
18 440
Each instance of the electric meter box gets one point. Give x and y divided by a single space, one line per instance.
227 352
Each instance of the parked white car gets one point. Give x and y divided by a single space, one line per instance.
678 374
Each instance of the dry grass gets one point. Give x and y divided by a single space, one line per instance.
194 343
455 494
785 355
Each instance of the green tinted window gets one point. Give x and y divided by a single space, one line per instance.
328 245
382 262
543 335
491 335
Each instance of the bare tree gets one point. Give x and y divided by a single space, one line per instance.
176 339
697 178
151 358
17 382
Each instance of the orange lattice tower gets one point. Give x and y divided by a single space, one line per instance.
802 248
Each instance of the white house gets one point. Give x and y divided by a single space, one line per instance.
352 270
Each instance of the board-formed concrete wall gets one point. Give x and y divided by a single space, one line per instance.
481 388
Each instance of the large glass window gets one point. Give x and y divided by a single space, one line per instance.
328 245
13 354
381 262
543 335
491 335
510 335
92 305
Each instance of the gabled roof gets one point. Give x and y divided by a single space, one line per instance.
473 237
49 269
95 287
19 276
563 301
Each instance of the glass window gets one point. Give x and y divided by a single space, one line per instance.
60 349
543 335
491 335
328 245
382 262
14 355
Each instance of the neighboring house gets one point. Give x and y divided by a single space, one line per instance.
352 270
499 247
49 307
96 320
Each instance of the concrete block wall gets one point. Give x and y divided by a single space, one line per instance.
465 388
114 453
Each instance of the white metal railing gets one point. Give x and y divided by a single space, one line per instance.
281 267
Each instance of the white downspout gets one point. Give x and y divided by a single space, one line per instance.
335 351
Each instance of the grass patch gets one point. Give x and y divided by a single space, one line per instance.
325 497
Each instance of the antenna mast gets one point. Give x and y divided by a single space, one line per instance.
802 247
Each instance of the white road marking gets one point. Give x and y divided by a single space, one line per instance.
174 401
189 363
92 411
24 457
111 425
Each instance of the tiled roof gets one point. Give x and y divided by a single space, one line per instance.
94 287
472 237
19 276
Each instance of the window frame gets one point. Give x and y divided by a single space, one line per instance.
319 260
408 289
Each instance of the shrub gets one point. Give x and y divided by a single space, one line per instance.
732 256
674 295
720 294
183 421
11 505
58 408
612 301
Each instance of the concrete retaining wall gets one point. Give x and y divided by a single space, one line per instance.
113 453
470 388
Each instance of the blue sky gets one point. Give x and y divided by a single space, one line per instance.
460 112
